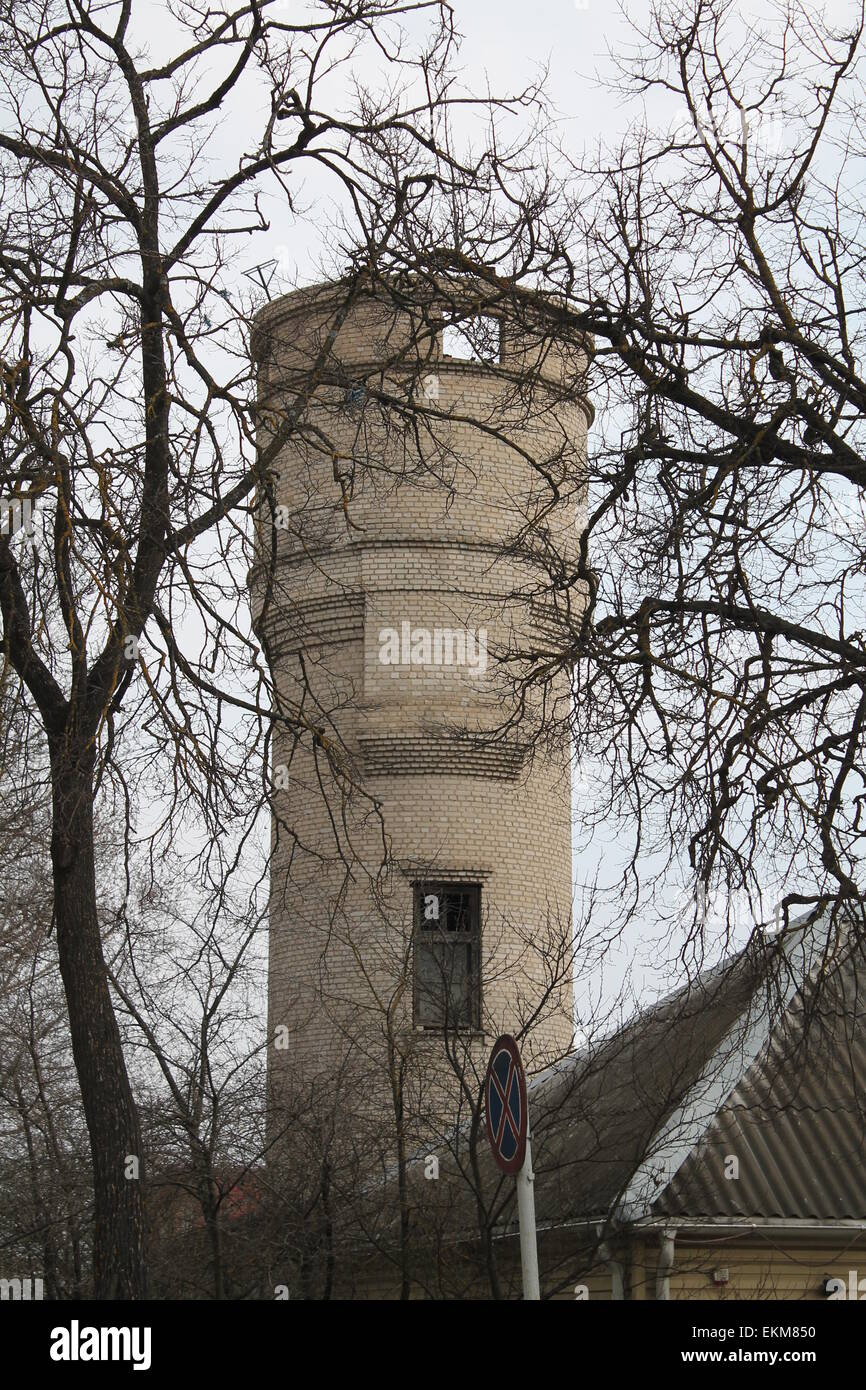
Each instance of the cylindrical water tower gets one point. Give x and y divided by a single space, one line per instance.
412 566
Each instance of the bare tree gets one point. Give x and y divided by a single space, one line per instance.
713 639
128 409
715 257
190 984
45 1196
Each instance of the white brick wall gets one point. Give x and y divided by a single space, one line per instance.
425 538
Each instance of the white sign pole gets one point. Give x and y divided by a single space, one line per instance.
526 1218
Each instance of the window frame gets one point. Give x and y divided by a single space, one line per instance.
422 888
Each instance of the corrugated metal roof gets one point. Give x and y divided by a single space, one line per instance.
794 1122
748 1061
594 1121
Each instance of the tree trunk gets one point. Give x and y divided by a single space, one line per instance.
209 1202
330 1260
109 1108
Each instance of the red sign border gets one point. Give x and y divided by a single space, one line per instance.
508 1165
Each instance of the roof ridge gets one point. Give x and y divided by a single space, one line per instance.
740 1047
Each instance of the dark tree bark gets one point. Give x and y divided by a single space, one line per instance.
109 1107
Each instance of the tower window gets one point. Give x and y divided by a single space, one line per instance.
448 955
476 339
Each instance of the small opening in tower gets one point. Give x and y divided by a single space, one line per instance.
476 339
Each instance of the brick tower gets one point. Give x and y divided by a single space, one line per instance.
421 878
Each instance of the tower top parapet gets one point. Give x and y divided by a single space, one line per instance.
346 328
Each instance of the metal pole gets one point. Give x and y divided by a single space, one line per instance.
526 1218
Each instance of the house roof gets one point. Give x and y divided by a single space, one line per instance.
595 1118
761 1061
794 1120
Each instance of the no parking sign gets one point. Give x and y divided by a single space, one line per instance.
506 1112
505 1105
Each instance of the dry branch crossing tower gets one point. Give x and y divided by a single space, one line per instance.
415 547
